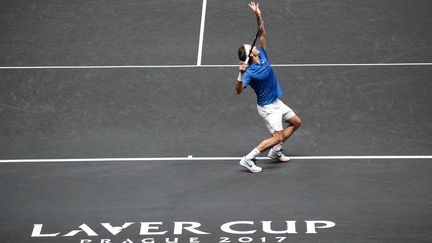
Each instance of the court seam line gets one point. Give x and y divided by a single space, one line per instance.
213 66
191 158
201 36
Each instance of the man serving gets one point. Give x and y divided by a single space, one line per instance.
255 71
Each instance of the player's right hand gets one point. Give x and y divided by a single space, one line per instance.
243 67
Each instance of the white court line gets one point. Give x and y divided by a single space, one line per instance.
101 67
191 158
201 36
338 64
218 66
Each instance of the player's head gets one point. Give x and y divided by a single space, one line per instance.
245 50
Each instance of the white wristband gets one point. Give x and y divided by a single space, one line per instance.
240 77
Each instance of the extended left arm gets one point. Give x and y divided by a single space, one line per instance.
260 22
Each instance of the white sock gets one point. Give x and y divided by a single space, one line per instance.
277 147
254 153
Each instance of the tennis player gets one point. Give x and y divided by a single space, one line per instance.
255 71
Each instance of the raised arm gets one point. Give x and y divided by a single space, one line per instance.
260 22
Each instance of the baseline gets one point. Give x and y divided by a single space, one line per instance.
218 66
191 158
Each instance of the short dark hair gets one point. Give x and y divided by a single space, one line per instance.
242 53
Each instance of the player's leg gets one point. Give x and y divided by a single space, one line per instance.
294 122
248 161
270 116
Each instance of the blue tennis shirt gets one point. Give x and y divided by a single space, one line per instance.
262 79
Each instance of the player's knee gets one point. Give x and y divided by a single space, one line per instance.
297 122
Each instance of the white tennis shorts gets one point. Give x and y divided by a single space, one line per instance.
275 114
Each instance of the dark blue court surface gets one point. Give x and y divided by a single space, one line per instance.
149 153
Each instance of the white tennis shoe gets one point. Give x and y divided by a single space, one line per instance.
250 165
278 156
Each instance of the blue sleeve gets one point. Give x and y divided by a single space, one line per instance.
263 51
